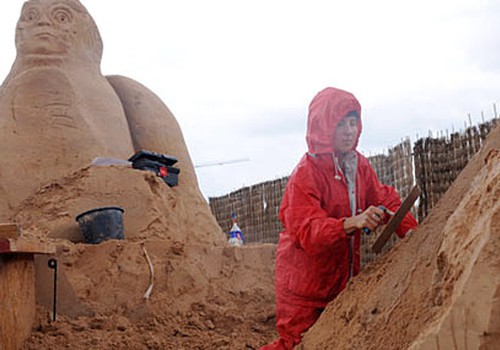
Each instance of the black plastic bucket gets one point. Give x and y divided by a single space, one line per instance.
101 224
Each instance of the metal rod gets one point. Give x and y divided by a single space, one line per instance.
53 265
222 162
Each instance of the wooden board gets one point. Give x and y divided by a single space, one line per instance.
10 230
17 300
26 246
396 220
17 287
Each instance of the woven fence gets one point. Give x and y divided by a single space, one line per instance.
438 161
432 163
256 208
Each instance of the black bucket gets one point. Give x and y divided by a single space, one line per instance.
101 224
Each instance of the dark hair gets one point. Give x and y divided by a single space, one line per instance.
352 114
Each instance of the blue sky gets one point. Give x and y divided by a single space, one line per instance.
239 75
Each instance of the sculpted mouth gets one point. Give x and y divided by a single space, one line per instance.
44 34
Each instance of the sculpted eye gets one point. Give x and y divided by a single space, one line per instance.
31 15
62 16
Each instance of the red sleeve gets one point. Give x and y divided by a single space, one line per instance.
303 216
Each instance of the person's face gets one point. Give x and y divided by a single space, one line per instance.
345 134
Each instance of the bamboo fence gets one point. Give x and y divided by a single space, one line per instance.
256 208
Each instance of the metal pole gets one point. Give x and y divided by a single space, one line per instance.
53 265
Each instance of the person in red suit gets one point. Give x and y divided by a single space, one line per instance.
332 197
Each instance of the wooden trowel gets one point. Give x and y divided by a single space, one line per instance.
396 220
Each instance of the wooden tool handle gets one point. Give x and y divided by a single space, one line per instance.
396 220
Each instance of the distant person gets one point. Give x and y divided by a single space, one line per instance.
332 194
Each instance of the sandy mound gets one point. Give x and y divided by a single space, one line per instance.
440 288
206 295
203 298
153 210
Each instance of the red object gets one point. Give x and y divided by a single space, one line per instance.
163 171
4 246
313 255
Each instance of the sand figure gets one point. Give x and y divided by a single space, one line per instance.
58 112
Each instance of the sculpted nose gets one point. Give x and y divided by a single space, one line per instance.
43 20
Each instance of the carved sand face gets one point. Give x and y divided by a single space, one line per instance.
57 28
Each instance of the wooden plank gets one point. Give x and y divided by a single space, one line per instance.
10 230
22 245
396 219
17 300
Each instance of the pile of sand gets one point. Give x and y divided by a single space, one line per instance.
439 289
153 210
202 298
206 294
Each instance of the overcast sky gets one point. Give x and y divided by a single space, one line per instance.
239 75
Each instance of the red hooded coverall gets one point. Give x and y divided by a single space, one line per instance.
315 257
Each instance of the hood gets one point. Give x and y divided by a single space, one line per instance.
326 110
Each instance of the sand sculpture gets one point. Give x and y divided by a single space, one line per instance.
58 112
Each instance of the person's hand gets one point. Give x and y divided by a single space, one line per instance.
371 218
